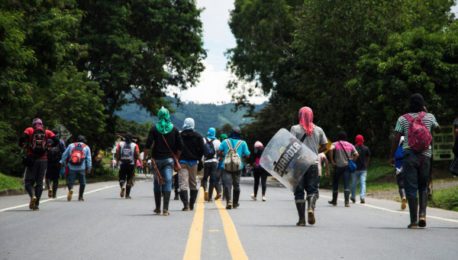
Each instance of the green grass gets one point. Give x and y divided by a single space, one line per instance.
379 170
446 199
385 186
10 183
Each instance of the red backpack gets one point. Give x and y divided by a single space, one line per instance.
77 155
419 137
39 142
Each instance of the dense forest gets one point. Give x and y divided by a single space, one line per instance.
354 62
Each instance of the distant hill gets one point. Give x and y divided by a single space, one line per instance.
205 115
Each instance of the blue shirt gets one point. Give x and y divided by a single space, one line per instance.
242 150
87 164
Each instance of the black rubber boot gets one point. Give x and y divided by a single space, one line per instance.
128 189
210 191
165 210
334 199
81 193
311 201
55 186
347 198
184 199
413 210
236 199
422 211
157 200
192 199
300 206
176 195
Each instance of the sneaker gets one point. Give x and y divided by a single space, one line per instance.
264 198
80 199
253 197
353 200
69 195
347 204
229 205
403 203
157 211
363 201
123 190
128 197
165 212
301 223
235 206
218 196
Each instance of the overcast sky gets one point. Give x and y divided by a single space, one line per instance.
217 39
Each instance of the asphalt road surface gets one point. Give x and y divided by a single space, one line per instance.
106 226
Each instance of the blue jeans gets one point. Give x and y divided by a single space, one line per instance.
72 175
308 183
165 167
416 173
361 175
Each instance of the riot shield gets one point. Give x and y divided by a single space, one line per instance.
287 159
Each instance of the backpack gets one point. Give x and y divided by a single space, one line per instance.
55 153
127 153
77 155
209 149
39 142
232 161
419 137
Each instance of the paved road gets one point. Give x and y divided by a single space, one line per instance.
108 227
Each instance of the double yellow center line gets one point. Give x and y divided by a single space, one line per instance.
194 244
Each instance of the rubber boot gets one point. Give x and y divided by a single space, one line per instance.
81 193
165 209
210 192
334 198
402 193
227 195
128 189
236 199
184 199
422 211
157 200
176 195
55 186
311 201
413 210
192 199
347 198
300 206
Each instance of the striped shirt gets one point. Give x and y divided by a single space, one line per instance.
402 127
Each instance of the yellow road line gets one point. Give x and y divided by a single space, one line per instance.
194 244
232 238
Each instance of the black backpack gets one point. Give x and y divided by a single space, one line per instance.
39 143
209 149
55 153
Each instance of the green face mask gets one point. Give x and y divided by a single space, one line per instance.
164 125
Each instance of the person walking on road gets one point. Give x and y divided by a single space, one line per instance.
398 160
211 164
78 158
35 141
362 164
315 139
416 127
341 153
193 151
127 153
166 145
259 173
233 150
56 148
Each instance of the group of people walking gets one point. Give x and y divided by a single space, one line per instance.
222 160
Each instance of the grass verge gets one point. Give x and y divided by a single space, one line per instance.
445 198
10 183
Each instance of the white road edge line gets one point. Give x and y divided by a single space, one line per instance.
60 197
397 212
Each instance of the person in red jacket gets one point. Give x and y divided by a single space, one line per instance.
34 140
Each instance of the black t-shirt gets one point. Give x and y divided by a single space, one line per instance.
160 150
364 154
193 145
